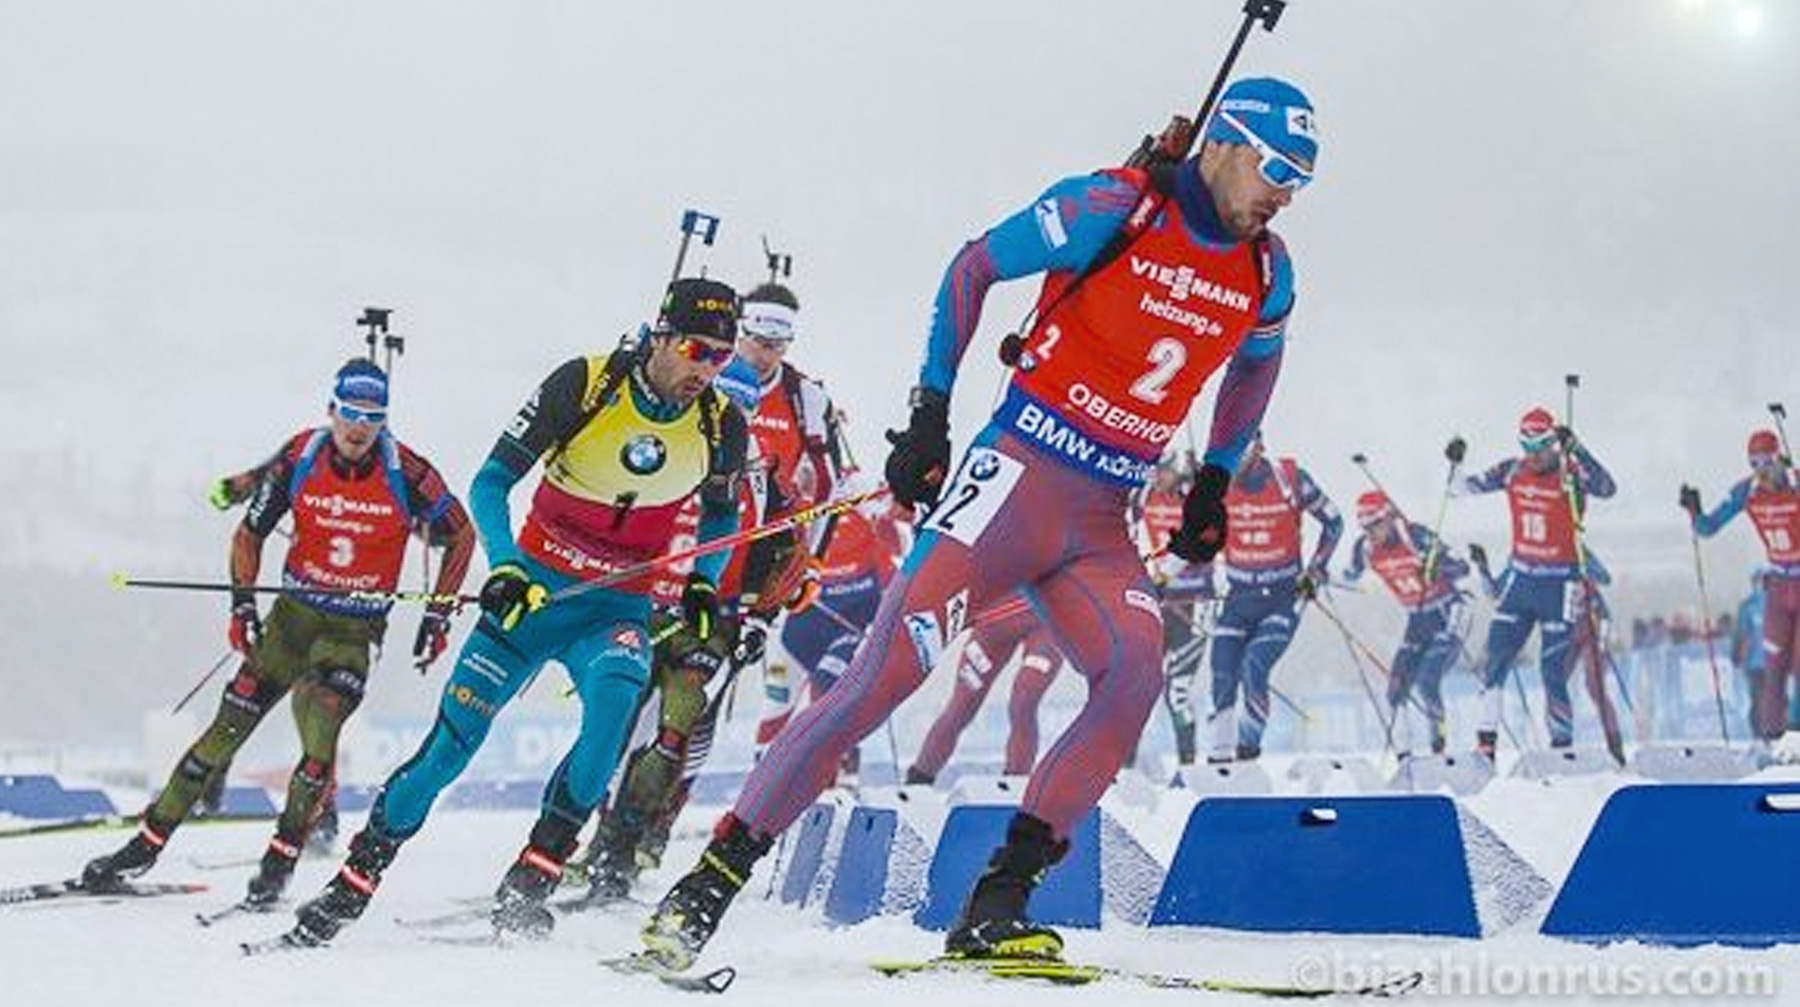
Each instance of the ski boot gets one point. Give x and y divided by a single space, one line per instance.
1486 744
690 913
612 856
519 901
273 873
1248 753
993 923
916 777
324 833
349 891
110 872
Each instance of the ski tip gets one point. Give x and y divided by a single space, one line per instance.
719 980
119 580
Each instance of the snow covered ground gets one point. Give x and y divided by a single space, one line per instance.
151 952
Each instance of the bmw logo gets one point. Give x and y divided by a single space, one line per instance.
983 467
644 454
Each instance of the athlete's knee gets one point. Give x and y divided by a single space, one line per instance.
246 699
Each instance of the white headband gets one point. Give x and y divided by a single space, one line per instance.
768 320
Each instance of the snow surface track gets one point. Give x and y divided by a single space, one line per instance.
151 953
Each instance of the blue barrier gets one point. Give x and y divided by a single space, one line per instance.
1367 865
1070 894
861 878
802 867
40 796
496 795
1687 864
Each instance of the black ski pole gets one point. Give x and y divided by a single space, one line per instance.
195 691
120 580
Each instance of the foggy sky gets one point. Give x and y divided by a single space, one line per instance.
197 198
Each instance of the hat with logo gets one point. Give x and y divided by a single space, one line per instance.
770 312
1537 429
1763 446
360 380
1276 112
1372 507
696 306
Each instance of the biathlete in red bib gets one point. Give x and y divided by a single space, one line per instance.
1127 332
1770 496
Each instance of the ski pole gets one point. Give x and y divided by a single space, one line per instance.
210 672
1712 655
1352 644
804 516
1590 593
120 580
1437 526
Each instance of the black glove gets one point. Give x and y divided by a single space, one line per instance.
1456 450
1690 500
920 460
1202 531
433 636
1478 556
1307 587
700 604
752 641
1565 437
246 629
509 595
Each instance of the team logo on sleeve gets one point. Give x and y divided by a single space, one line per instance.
1049 221
644 454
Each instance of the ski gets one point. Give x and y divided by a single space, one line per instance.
72 888
481 907
244 908
223 863
640 963
291 940
1076 974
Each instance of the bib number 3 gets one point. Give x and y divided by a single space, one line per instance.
969 504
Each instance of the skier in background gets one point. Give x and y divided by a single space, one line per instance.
1422 576
1771 496
1266 583
1012 629
1542 585
356 493
1186 592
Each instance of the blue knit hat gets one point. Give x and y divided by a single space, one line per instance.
1275 111
360 380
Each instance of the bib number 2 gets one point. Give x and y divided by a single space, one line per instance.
968 505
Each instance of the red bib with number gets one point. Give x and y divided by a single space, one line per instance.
348 533
1263 526
1776 514
1122 358
1162 516
1402 569
1543 525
